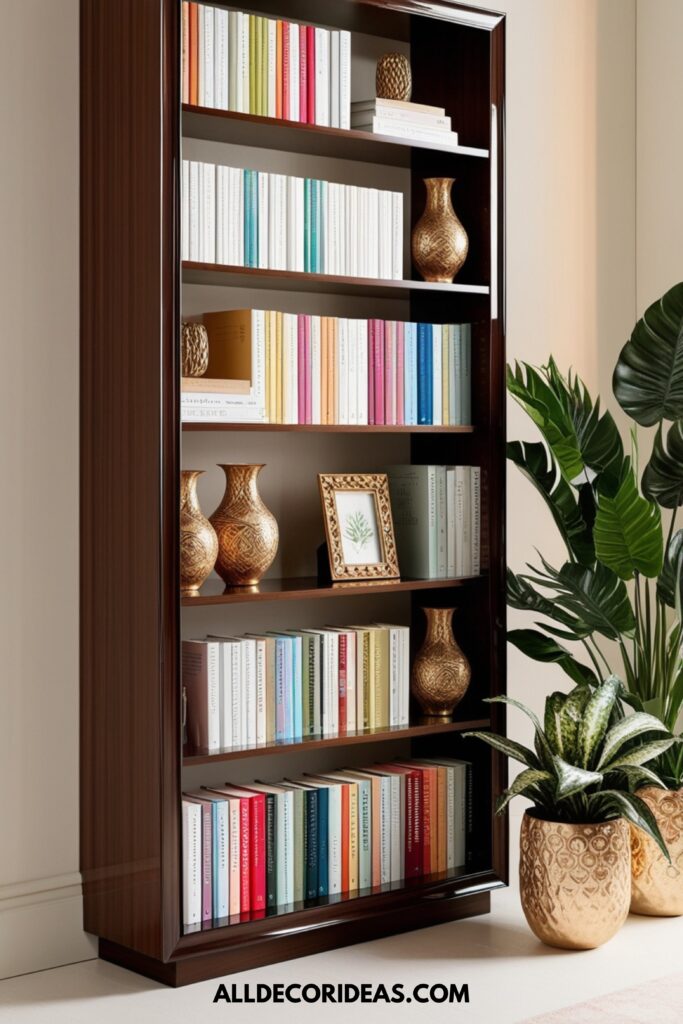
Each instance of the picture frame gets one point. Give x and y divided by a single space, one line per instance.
359 527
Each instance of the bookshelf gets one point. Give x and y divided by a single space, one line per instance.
134 292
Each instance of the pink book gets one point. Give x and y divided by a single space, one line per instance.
400 372
207 855
303 74
379 372
246 844
310 73
285 70
257 848
371 372
301 359
308 376
389 372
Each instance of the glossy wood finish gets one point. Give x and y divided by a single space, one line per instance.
396 732
327 428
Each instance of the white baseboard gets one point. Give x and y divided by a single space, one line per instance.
41 925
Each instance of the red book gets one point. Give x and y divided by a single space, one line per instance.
371 372
400 372
413 826
194 55
207 855
257 847
343 672
278 68
430 839
310 74
301 356
246 845
379 372
308 376
285 71
303 73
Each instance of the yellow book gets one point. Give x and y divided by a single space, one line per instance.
252 64
260 25
278 370
324 357
272 359
264 67
381 678
353 836
445 377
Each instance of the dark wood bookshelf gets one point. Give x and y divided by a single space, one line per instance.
131 618
397 732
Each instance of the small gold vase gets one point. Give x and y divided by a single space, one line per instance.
439 241
574 880
656 885
441 672
247 531
198 541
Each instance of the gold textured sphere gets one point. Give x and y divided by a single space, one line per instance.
656 885
393 80
247 531
194 350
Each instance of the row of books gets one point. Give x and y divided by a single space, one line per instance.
324 369
246 218
252 690
437 520
274 68
252 849
404 120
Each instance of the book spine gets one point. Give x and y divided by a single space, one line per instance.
221 54
233 60
185 212
310 74
293 73
379 372
334 79
286 57
280 688
446 414
257 869
186 52
476 520
221 896
441 521
271 852
311 845
322 76
400 373
389 372
344 79
263 202
436 387
192 860
303 73
245 865
323 842
207 861
278 67
194 53
343 670
397 235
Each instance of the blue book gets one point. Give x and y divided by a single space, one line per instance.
323 841
424 373
280 687
307 225
311 844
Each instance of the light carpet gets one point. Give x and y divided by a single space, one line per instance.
655 1002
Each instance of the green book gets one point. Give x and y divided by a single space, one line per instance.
414 511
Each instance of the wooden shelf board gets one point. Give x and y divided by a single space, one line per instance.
299 588
328 428
397 732
316 140
295 281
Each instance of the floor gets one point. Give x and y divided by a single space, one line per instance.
510 976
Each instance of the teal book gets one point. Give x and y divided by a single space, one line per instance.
323 841
297 679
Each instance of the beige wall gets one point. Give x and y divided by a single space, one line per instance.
571 290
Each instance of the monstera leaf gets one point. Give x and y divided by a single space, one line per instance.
628 531
648 378
543 648
670 582
663 476
537 398
597 597
541 469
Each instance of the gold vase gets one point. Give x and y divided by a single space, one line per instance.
198 541
574 880
439 241
441 672
393 78
656 885
247 531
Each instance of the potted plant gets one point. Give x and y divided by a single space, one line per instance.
574 869
623 577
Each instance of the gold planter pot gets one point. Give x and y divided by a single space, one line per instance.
247 531
656 885
574 880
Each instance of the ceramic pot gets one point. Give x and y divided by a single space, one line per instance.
656 885
441 672
574 880
198 541
247 531
439 241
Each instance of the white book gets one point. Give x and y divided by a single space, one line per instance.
208 213
293 29
437 367
316 411
363 372
298 226
220 54
284 823
476 520
352 213
387 126
334 837
192 863
264 199
220 408
466 379
334 79
235 251
248 659
272 218
385 829
206 18
243 78
410 379
233 60
342 234
185 213
227 695
386 263
362 232
397 235
292 186
194 212
411 118
260 646
450 521
290 364
328 229
344 79
441 522
460 499
222 214
258 358
281 213
342 370
322 76
405 687
220 822
352 390
453 397
467 523
373 233
330 681
271 27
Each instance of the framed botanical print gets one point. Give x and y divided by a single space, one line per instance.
358 526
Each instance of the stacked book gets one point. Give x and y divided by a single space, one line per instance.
262 848
273 68
437 520
279 687
404 120
246 218
327 370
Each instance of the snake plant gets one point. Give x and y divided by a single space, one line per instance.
587 758
622 580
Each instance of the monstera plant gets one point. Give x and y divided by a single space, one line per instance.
620 588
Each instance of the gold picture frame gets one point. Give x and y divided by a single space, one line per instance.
359 527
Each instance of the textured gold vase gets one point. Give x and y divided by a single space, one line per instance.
656 885
441 672
198 541
247 531
574 880
393 78
194 350
439 242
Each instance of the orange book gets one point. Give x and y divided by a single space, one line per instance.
324 353
332 372
278 69
186 52
194 55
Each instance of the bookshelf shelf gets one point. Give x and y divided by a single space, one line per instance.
344 740
315 140
300 588
328 428
328 284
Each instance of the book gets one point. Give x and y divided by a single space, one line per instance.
201 682
192 860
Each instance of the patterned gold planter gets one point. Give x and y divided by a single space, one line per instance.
656 885
574 880
247 530
198 542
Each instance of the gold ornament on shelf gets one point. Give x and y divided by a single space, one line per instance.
574 880
441 672
656 885
198 541
439 242
247 531
194 350
393 80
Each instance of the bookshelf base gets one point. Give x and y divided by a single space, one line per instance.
189 965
